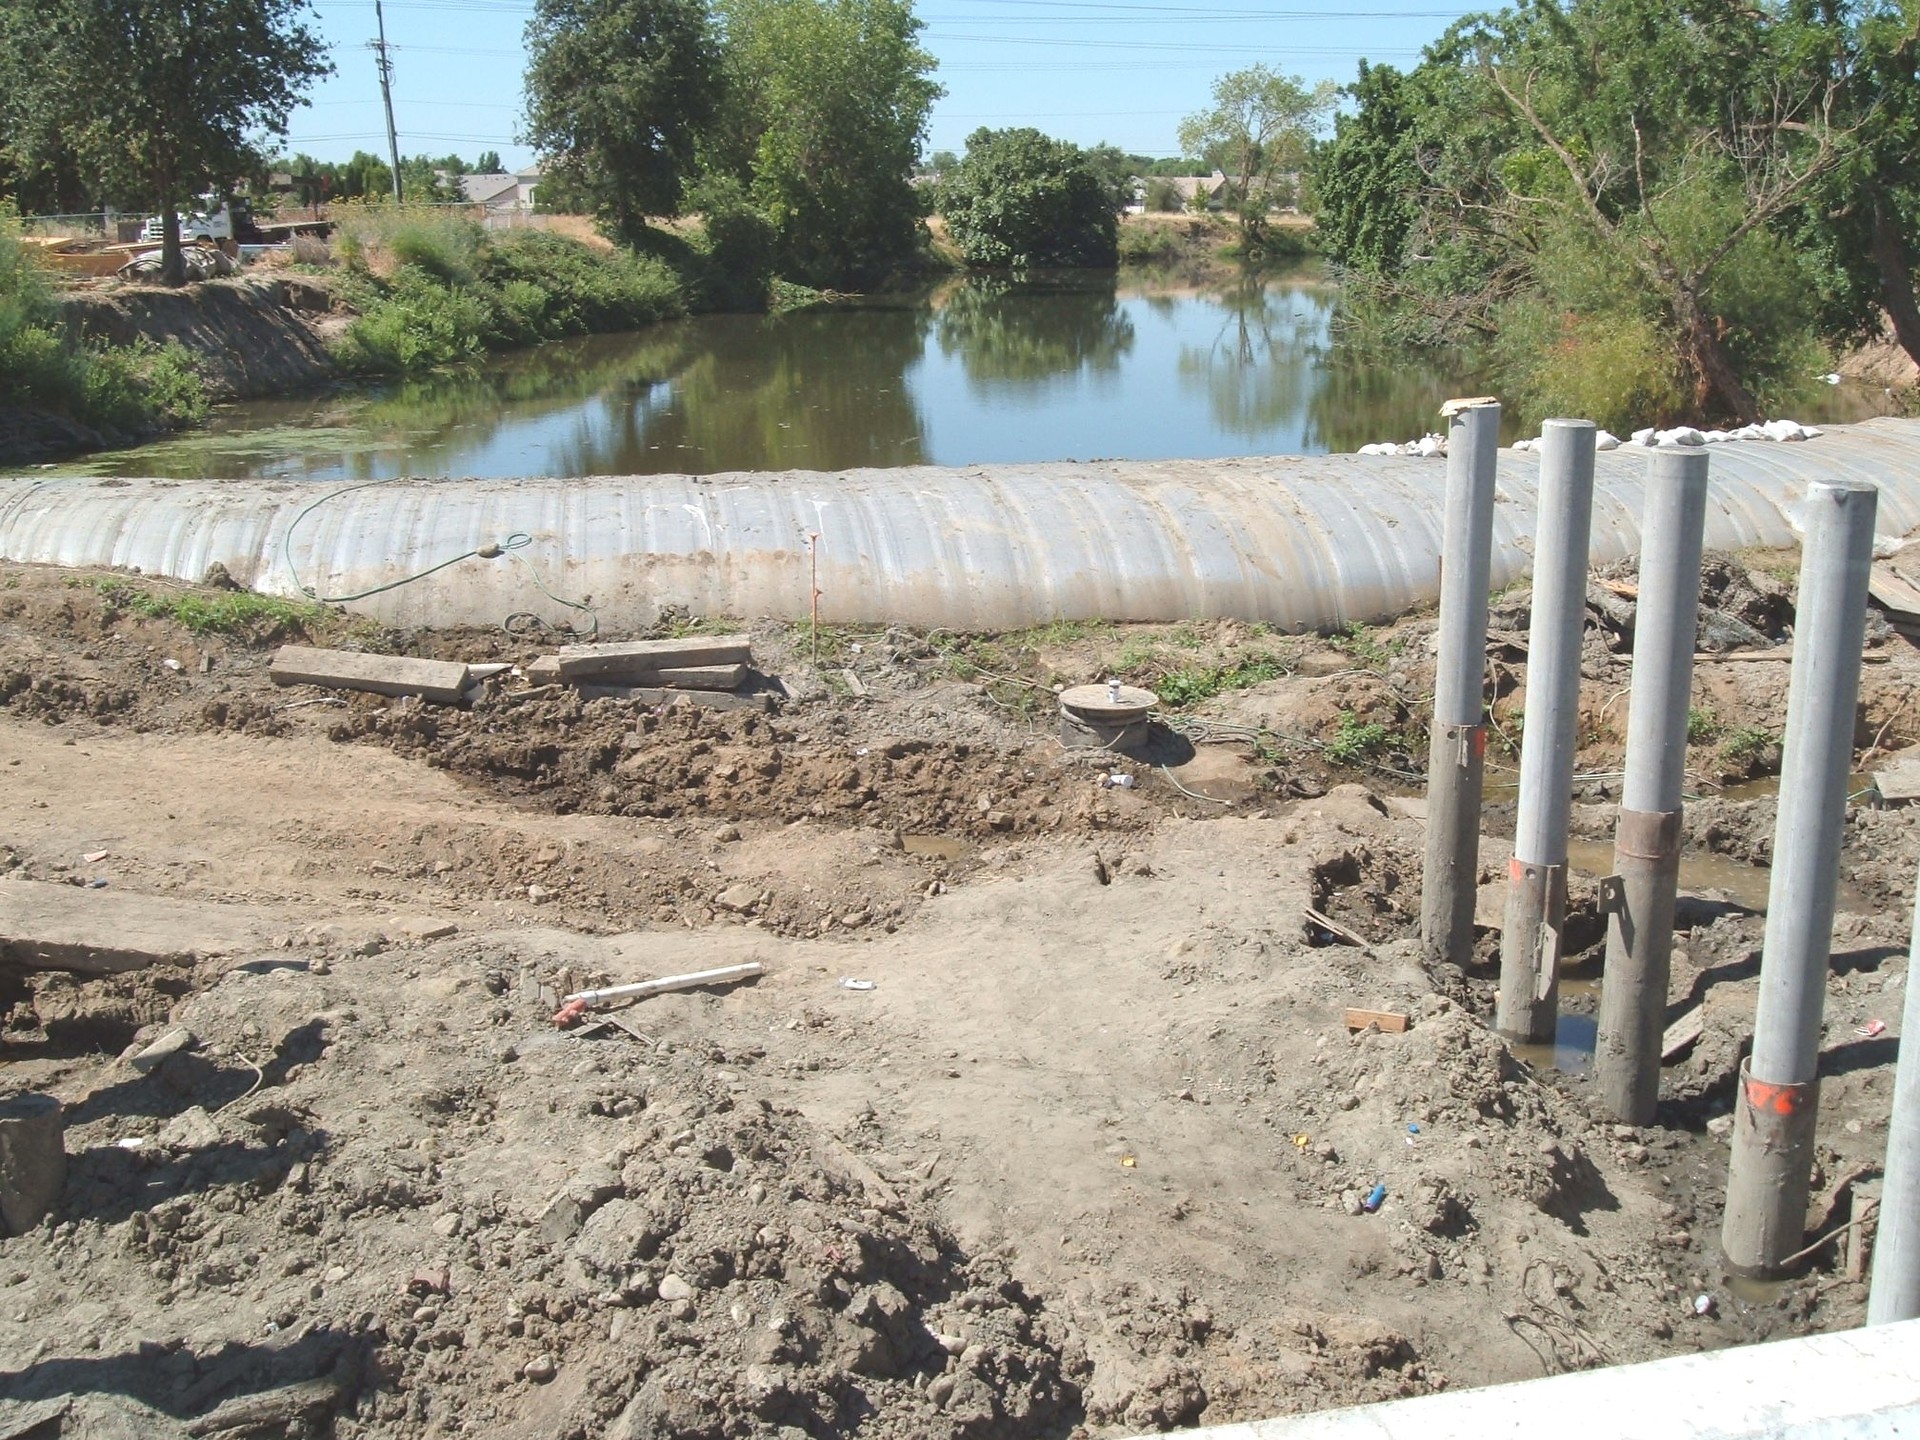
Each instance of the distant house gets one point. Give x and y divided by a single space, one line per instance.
1212 188
501 193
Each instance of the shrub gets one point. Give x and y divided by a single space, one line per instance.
122 392
1021 199
524 288
1163 196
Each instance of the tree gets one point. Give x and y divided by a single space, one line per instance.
1367 176
827 104
1616 193
618 95
1020 199
161 97
1258 133
489 163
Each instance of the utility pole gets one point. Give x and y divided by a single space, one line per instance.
1457 744
1529 1007
1778 1092
385 63
1646 847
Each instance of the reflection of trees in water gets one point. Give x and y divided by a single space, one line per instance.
821 389
1014 332
1365 396
1262 368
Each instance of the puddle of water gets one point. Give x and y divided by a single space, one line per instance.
1744 884
1761 1294
935 847
1574 1036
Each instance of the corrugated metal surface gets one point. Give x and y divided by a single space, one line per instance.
1294 541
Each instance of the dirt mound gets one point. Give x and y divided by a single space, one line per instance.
245 338
698 1262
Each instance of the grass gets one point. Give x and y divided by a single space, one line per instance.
1741 746
1354 740
1362 642
1702 725
239 613
435 290
1191 684
120 392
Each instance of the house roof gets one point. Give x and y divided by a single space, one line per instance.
479 189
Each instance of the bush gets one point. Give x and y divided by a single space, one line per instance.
1163 196
1020 199
120 392
444 305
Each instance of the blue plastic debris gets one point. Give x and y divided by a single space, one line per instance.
1375 1199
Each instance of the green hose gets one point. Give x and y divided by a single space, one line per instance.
517 541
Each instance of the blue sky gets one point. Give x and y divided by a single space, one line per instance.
1086 70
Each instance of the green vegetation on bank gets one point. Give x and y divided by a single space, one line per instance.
1640 211
120 393
435 289
228 612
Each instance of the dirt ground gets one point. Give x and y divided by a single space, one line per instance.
1042 1121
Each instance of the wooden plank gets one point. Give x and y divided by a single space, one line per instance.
1683 1032
1894 593
635 657
696 677
1391 1022
1899 784
640 989
1784 652
1334 927
659 695
856 687
441 680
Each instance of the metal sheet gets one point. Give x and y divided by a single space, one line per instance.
1298 542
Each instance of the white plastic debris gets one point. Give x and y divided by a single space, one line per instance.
1715 437
1119 781
1645 437
1703 1305
1429 445
1785 430
1605 440
847 982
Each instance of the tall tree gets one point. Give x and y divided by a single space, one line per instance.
1258 133
618 95
159 97
827 106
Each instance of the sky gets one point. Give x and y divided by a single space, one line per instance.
1123 71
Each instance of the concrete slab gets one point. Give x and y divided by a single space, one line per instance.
105 932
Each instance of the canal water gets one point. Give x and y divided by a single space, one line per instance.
1074 366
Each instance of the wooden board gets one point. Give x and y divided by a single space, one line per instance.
441 680
1895 594
1683 1032
630 658
659 695
1391 1022
696 677
1899 784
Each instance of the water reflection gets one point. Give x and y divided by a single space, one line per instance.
1061 366
1010 334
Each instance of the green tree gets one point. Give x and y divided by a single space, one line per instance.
1366 178
1609 190
159 97
827 105
1258 133
618 95
489 163
1020 199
